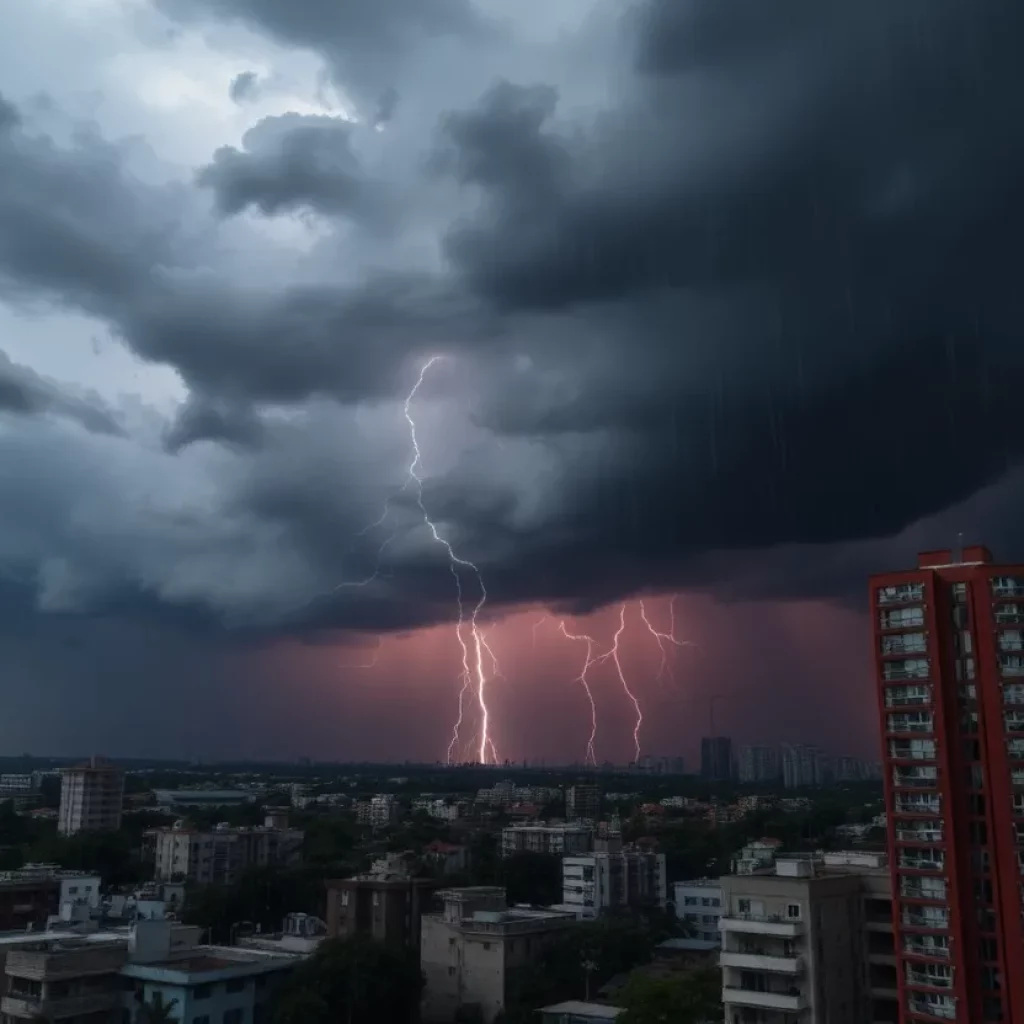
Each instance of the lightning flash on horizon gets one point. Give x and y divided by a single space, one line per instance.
614 655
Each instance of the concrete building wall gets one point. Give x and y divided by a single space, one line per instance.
91 799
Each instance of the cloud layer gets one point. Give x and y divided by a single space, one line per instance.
735 288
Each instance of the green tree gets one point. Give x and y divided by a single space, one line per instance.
692 997
352 981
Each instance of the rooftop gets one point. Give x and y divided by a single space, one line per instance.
577 1008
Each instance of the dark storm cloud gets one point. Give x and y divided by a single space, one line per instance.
24 393
244 86
290 162
768 299
361 39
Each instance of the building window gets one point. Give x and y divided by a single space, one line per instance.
376 899
344 898
202 992
451 972
793 911
235 985
487 947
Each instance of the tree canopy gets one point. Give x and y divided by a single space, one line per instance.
686 997
352 981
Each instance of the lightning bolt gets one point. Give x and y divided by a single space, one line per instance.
661 639
614 655
582 680
536 625
473 672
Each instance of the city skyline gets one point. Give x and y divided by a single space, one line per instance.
318 322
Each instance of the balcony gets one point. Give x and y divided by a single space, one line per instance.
926 917
932 952
762 962
911 722
790 1002
911 668
903 593
1005 586
919 835
904 643
912 750
929 979
1011 665
27 1007
912 889
915 778
944 1010
905 804
762 924
1009 614
912 863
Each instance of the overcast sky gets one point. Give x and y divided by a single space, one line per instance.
727 303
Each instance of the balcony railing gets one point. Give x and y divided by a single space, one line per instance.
919 835
930 806
919 892
919 920
906 780
921 949
922 864
905 751
940 1011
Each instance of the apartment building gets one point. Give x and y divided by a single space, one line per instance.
809 940
698 904
384 904
91 798
104 976
948 646
222 855
30 896
477 949
757 764
602 881
583 803
803 765
557 839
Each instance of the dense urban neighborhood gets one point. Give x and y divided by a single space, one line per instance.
310 893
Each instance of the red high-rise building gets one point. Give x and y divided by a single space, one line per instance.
949 654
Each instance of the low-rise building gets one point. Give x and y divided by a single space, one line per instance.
475 951
446 858
384 810
577 1012
183 799
220 856
91 798
620 878
33 894
809 938
384 904
583 803
698 904
557 839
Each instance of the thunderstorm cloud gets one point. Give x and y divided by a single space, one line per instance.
728 293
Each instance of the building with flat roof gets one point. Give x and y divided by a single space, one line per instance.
91 798
556 839
576 1011
30 896
477 949
698 904
809 939
221 855
600 881
183 799
384 904
583 802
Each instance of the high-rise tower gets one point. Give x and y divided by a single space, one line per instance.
949 655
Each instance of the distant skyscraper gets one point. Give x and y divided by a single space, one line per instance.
716 758
757 764
802 765
949 656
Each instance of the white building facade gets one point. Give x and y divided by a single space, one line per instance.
698 904
557 839
603 881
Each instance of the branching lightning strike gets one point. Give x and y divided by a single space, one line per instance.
473 670
584 682
614 655
664 638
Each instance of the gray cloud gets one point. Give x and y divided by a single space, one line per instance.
23 392
290 162
361 39
244 86
765 299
